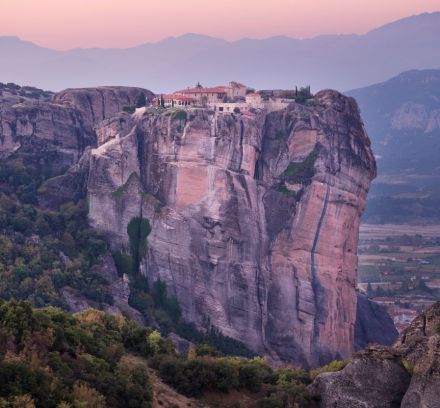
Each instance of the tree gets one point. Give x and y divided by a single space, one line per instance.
129 108
370 292
153 341
159 293
138 230
141 101
87 397
22 401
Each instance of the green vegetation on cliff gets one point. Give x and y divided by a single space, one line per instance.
91 359
301 172
43 252
49 358
138 230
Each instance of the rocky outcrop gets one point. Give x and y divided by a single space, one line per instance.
11 94
70 186
55 130
412 115
373 324
375 378
420 347
406 375
97 104
254 217
54 134
119 290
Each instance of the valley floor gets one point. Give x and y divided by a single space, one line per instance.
399 267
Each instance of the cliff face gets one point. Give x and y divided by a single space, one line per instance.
406 375
373 324
55 132
57 128
97 104
254 217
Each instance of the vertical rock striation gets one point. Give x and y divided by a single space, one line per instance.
255 217
60 129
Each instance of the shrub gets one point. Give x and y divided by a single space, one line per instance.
302 172
163 301
251 376
141 101
123 262
138 230
282 188
270 402
179 115
336 365
86 396
202 350
193 377
153 341
279 135
408 366
215 338
303 94
129 109
18 378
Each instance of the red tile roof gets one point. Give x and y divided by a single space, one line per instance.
178 97
217 89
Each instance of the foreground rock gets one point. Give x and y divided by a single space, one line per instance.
254 217
406 375
420 346
373 324
375 378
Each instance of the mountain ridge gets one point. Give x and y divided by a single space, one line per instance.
402 118
274 62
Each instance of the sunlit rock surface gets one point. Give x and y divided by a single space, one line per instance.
254 217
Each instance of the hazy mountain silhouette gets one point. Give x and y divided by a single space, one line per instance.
332 61
402 117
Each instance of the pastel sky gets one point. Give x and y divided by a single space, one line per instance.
64 24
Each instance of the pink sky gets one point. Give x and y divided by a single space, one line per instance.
64 24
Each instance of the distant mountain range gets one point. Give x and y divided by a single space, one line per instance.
332 61
402 117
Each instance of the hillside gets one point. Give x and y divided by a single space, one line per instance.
351 61
51 359
402 118
213 226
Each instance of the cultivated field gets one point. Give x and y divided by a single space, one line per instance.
399 266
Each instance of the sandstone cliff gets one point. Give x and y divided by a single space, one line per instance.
373 324
97 104
406 375
57 132
254 217
55 129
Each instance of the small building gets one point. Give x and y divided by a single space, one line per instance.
253 99
171 100
205 95
237 90
215 94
